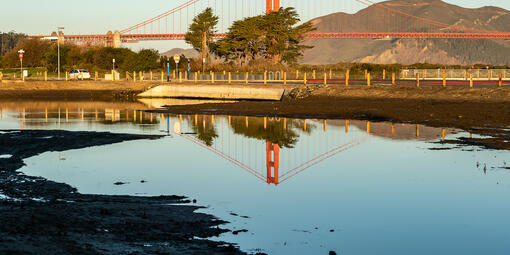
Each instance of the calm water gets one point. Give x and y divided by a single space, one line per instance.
306 187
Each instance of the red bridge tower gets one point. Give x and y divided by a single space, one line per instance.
272 6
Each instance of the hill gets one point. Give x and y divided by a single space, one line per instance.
409 51
189 53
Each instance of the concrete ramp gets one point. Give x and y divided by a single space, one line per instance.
214 92
164 102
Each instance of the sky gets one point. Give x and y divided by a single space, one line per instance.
37 17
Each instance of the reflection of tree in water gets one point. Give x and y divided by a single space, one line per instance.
205 131
274 131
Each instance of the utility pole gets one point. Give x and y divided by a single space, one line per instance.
59 29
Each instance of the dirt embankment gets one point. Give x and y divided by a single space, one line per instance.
95 90
44 217
484 111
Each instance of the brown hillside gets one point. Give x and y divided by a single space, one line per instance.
408 51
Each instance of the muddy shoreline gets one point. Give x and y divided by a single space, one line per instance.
44 217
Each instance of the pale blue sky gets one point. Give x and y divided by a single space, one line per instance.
98 16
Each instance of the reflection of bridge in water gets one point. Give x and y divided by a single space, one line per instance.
271 149
287 147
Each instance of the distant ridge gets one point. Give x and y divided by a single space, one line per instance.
409 51
188 53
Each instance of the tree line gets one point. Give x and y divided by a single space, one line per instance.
41 53
8 41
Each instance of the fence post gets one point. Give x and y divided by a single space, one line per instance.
265 77
284 78
417 80
246 77
151 74
45 76
347 78
330 74
196 77
229 78
325 79
66 76
180 77
368 79
392 78
384 74
304 78
470 80
297 74
162 76
444 78
366 72
313 75
500 84
134 76
212 77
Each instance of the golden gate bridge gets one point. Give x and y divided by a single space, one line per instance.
393 23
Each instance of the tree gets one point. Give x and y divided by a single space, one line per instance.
144 60
283 38
9 40
200 32
34 50
243 41
275 36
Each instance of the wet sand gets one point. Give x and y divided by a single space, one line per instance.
45 217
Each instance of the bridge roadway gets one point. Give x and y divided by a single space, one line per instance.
125 38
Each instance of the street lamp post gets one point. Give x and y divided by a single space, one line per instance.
59 29
21 61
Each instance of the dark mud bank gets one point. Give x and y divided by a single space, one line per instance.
45 217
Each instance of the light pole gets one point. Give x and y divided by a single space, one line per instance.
21 60
59 29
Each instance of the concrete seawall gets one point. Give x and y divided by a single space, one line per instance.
214 92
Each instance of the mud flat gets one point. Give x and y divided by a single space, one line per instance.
483 111
45 217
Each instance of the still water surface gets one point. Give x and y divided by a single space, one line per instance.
298 186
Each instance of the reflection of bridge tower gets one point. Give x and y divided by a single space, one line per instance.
272 162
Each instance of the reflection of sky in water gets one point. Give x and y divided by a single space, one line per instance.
383 196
